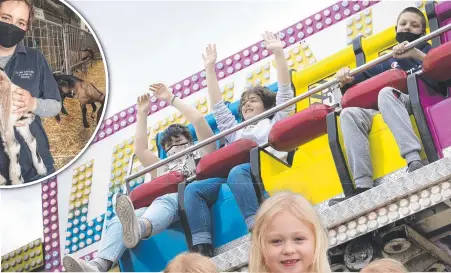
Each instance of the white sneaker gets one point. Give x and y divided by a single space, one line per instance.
130 226
73 264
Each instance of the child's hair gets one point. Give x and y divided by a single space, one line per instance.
301 209
29 5
174 130
384 265
417 12
191 263
267 96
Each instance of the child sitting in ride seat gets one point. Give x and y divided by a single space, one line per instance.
191 263
288 237
393 105
200 196
384 265
129 226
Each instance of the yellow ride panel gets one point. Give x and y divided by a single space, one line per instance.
385 155
319 71
313 173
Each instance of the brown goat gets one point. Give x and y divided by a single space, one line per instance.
85 92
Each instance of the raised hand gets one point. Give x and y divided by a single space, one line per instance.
143 103
272 42
161 91
210 55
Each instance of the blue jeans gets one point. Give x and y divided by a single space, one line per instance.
201 195
161 213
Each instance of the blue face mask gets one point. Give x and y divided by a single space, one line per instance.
10 35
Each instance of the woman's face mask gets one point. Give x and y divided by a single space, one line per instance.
174 149
10 35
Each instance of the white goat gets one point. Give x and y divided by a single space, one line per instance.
11 145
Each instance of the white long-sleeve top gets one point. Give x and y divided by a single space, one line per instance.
258 132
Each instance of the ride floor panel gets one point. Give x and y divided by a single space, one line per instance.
394 197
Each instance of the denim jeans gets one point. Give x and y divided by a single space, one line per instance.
161 214
201 195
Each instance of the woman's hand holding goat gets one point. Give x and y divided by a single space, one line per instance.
23 103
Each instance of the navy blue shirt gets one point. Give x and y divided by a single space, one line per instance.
28 69
408 65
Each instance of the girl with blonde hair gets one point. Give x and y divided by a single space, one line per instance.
192 263
288 237
384 265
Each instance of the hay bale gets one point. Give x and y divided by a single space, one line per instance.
69 137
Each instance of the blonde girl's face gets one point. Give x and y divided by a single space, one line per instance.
289 244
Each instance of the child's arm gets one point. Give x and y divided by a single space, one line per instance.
203 130
224 117
214 92
284 93
145 156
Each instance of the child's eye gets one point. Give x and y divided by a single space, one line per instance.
276 241
299 239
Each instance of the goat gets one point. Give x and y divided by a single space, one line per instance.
9 141
73 87
87 56
80 60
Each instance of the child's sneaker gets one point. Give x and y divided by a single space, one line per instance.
131 233
73 264
414 165
338 200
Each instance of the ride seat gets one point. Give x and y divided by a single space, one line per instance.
227 222
384 150
312 173
145 194
437 69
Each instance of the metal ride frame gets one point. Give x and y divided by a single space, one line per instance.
61 45
398 197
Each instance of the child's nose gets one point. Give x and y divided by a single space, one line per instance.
288 248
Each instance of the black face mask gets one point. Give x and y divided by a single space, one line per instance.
10 35
406 36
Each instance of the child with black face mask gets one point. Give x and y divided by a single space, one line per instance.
394 105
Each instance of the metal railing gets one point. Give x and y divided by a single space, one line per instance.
47 37
61 45
281 106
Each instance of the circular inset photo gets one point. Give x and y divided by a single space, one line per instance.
53 88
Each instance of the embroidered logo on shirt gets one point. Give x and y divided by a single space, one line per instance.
394 64
25 74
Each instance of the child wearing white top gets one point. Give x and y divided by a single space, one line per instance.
200 195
